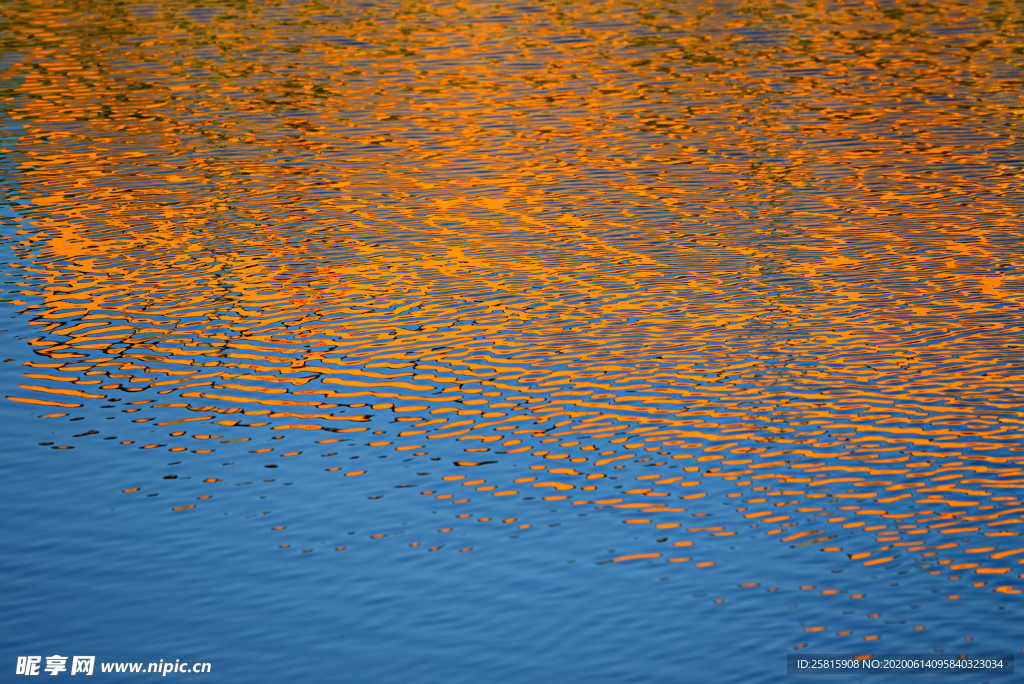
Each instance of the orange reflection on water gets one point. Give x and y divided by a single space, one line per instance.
645 262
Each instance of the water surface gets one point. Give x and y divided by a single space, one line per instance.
513 342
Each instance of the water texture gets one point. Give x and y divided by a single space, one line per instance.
518 342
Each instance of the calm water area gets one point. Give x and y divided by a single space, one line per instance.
514 342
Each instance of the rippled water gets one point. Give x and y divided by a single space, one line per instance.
518 342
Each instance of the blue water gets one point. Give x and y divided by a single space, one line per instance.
88 571
377 342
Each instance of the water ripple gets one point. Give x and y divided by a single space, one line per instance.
714 273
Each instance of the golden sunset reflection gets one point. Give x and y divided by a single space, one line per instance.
652 260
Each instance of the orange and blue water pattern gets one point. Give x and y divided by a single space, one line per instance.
727 269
